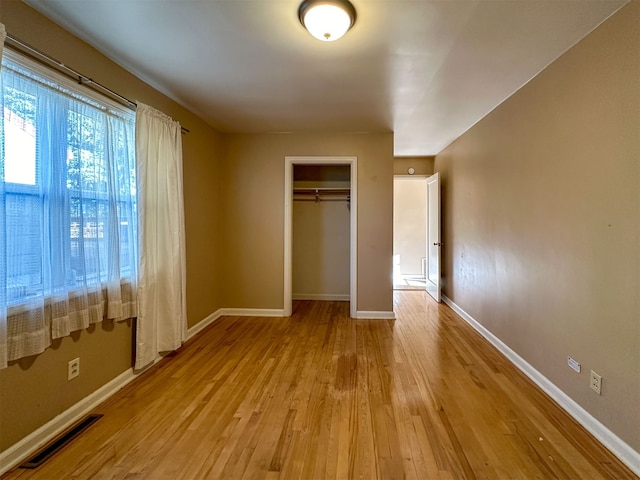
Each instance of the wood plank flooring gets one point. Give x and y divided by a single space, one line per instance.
321 396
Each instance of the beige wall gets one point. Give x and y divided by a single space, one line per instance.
421 165
253 217
409 223
541 204
35 390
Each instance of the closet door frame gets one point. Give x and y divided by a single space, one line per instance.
289 163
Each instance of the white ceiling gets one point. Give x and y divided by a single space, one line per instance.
427 70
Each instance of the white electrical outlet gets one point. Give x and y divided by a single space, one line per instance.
596 382
574 364
74 368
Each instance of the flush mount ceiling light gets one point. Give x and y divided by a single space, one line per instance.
327 20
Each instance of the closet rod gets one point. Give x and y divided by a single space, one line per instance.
47 60
317 194
321 191
347 199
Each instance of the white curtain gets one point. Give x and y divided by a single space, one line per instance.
3 35
162 312
67 223
3 276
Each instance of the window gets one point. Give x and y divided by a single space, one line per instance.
68 242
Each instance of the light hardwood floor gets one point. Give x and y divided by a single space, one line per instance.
321 396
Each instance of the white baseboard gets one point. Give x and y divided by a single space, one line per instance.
327 297
376 315
202 324
253 312
237 312
618 447
32 442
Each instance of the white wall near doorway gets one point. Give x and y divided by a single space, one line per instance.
409 225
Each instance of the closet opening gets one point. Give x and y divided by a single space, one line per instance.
320 230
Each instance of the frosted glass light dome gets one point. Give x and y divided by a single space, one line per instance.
327 20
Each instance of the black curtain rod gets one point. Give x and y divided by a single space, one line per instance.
45 59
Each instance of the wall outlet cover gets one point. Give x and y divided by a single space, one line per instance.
596 382
73 368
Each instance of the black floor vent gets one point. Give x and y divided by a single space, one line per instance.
51 448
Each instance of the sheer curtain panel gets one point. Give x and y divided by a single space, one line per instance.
162 312
68 251
3 274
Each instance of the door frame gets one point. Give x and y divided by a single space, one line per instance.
289 163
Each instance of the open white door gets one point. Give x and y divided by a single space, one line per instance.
433 237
